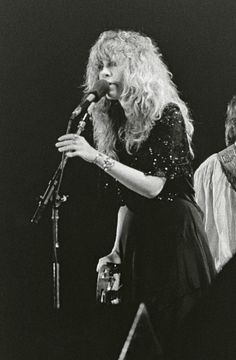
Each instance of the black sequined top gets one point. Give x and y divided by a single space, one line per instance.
166 154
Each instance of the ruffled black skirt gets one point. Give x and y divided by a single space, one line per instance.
167 263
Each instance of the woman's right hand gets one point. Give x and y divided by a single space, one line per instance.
113 257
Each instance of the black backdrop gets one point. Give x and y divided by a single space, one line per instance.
44 51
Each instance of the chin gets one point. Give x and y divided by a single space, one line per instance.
112 97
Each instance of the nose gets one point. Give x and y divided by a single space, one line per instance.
105 73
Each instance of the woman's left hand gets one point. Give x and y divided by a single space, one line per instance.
76 145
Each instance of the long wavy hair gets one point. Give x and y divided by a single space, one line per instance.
230 122
147 89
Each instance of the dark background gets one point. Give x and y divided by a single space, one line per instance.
44 49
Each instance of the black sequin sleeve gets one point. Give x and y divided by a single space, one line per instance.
166 152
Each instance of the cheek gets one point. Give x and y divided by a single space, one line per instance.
120 76
120 84
119 87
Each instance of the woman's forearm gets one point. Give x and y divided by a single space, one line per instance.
124 219
146 185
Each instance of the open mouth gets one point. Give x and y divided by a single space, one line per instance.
114 89
113 85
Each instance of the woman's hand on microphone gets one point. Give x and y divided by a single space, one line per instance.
76 145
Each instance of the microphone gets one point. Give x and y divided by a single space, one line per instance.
100 89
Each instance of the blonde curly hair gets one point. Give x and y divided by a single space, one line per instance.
147 89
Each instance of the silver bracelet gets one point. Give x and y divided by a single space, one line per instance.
107 162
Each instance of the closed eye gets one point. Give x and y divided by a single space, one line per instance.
100 66
107 64
112 64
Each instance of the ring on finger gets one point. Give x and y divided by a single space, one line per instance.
75 137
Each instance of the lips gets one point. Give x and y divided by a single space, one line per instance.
112 87
113 84
113 90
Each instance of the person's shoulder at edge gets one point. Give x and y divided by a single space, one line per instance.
171 114
207 163
170 109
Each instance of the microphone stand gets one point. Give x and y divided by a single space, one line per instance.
52 194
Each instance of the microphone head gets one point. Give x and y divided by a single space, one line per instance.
100 89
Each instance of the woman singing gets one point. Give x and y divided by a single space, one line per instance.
142 133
